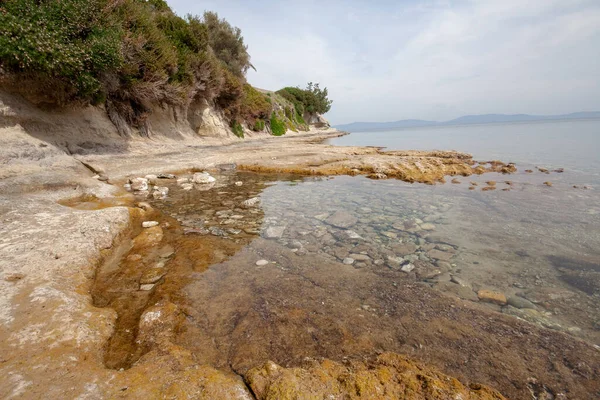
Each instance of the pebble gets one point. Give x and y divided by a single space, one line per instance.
250 202
348 261
147 286
149 224
274 232
203 178
260 263
427 226
341 219
459 281
139 184
239 183
407 268
166 176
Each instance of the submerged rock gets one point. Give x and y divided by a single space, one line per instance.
260 263
348 261
251 202
149 224
490 296
342 219
274 232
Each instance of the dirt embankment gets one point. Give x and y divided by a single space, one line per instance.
54 338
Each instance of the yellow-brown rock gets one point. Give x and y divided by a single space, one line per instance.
391 376
490 296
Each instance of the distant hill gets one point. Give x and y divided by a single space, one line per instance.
464 120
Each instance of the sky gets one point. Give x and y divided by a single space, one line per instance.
385 60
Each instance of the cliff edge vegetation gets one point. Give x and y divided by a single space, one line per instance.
134 56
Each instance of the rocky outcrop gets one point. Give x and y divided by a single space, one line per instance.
316 120
391 376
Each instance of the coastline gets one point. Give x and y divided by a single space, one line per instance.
50 254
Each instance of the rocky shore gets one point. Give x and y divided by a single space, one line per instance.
95 299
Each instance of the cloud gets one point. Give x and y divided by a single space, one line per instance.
389 60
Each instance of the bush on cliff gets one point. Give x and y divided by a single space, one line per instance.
278 127
311 100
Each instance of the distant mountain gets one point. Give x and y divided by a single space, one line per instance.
465 120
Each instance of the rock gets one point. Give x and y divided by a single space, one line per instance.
103 178
151 177
457 290
407 268
427 226
440 255
532 316
127 186
166 176
404 249
390 376
360 257
485 189
394 261
443 265
160 192
260 263
215 231
519 302
183 180
239 183
149 224
187 186
341 219
203 178
348 261
353 235
139 184
548 184
490 296
147 286
251 202
274 232
459 281
153 275
455 181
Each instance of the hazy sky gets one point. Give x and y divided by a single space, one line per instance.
389 60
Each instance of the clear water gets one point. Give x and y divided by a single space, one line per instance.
351 267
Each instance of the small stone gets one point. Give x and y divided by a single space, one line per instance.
151 177
13 277
459 281
147 286
485 189
103 178
139 184
183 180
149 224
428 226
166 176
348 261
153 275
455 181
187 186
407 268
127 187
490 296
439 255
203 178
548 184
360 257
160 192
274 232
250 202
239 183
260 263
353 235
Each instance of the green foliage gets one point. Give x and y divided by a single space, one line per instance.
278 127
227 43
237 129
254 104
74 41
313 99
259 125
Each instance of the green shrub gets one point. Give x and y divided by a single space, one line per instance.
237 129
313 99
74 41
278 127
259 125
254 104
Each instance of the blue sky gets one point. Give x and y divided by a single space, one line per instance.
391 60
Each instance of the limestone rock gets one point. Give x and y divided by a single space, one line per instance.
251 202
203 178
149 224
260 263
139 184
391 376
490 296
274 232
341 219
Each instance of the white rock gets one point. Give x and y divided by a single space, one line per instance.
183 180
239 183
202 178
348 261
139 184
187 186
127 186
274 232
149 224
151 177
147 286
407 268
160 192
427 226
250 202
261 262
